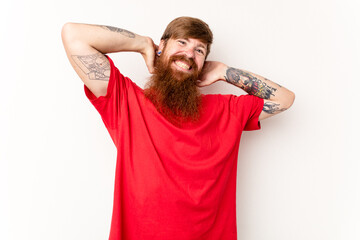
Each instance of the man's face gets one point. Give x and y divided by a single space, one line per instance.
192 50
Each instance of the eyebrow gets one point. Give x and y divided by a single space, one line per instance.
199 45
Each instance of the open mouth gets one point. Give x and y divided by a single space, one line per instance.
183 65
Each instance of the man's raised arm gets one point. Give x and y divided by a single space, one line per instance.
276 98
86 44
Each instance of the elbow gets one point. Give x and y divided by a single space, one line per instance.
290 99
67 31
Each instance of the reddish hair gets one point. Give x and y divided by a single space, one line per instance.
188 27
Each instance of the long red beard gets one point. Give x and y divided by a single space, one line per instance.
174 93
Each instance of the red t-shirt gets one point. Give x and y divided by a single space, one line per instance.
174 183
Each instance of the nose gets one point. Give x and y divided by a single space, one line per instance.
190 53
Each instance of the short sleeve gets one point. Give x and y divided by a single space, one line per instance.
247 108
109 106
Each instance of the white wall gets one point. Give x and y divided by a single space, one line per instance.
297 177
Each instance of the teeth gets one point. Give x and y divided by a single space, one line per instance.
182 65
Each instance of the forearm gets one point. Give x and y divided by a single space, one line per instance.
257 85
105 39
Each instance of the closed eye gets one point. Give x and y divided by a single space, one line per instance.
181 42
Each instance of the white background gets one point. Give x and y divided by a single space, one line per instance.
297 177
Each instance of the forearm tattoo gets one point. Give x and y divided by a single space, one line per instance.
95 66
249 83
119 30
272 108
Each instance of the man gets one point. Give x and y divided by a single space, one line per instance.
177 149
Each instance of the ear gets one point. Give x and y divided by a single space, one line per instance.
161 45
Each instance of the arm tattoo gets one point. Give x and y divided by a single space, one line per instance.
249 83
95 66
119 30
272 108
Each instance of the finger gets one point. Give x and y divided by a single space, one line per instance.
200 83
150 65
151 69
